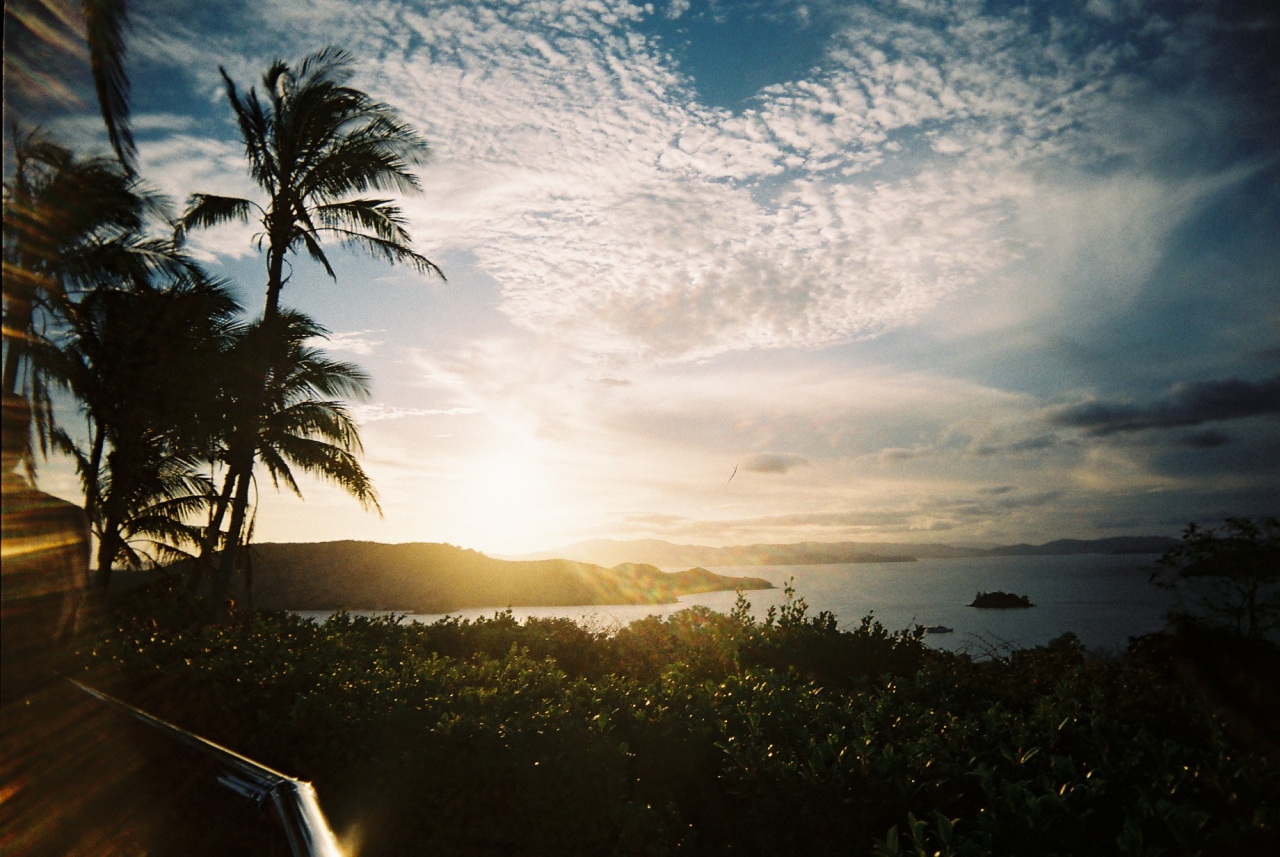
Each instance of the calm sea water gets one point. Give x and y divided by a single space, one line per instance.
1103 599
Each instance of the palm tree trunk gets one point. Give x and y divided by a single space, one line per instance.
219 512
248 580
108 547
239 508
275 282
231 550
92 496
210 543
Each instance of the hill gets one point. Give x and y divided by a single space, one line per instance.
437 578
668 555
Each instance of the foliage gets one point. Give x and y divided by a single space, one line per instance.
313 143
703 734
143 363
70 225
1228 576
42 43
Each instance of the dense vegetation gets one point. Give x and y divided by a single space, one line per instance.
705 734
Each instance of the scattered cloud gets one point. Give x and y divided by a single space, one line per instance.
1034 443
623 217
946 176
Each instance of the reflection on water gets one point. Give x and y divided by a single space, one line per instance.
1103 599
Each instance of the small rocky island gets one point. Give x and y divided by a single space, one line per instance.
999 600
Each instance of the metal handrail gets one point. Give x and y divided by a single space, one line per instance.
295 802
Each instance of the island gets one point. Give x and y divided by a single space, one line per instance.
425 577
999 600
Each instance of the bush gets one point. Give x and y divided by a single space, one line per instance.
706 734
1229 577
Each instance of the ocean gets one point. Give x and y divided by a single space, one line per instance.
1103 599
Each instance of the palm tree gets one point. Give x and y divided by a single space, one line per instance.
314 146
142 363
70 225
300 423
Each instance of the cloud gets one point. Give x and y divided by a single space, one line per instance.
1189 404
375 413
1034 443
918 515
996 490
623 217
1208 439
903 453
355 341
772 462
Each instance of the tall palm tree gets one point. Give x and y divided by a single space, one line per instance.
314 146
299 422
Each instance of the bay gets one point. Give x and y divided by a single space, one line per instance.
1103 599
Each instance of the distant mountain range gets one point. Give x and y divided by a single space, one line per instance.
668 555
437 578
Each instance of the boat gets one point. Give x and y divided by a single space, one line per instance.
938 629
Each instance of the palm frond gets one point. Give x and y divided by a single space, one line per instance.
316 252
205 210
279 470
379 216
391 251
256 130
333 465
105 22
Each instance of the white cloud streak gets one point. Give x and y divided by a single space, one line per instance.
378 412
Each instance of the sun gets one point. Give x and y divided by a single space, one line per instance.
509 499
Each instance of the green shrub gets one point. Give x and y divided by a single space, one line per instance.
704 733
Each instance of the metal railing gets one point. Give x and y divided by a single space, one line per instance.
294 801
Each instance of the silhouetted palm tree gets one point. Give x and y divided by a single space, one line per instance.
143 364
314 145
311 146
69 225
301 423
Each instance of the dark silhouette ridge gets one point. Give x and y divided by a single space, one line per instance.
668 555
438 578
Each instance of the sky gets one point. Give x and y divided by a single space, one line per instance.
778 271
